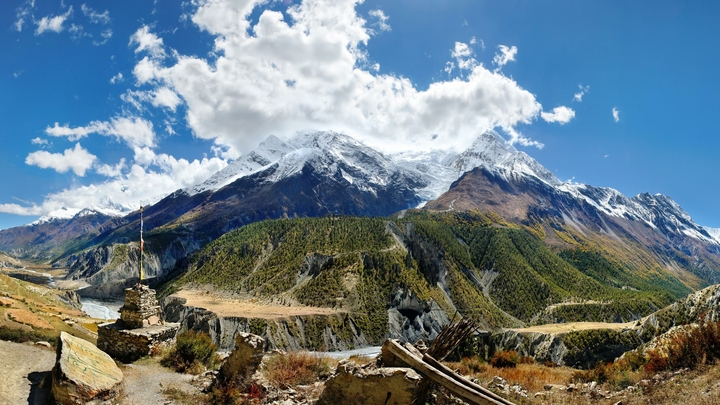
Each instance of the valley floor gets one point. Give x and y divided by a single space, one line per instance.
575 326
248 308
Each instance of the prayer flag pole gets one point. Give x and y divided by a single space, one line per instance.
142 242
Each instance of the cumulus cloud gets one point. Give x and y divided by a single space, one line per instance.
277 73
562 115
278 76
79 160
135 131
616 114
148 42
94 16
52 23
164 97
111 170
506 54
39 141
136 186
579 95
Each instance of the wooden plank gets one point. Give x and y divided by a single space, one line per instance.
439 377
448 372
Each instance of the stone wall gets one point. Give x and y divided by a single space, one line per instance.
128 345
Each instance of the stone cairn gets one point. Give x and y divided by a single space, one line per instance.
139 329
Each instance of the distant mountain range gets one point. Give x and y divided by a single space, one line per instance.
327 173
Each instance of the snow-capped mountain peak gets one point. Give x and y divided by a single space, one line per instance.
491 151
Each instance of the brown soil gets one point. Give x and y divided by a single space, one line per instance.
28 318
248 308
575 326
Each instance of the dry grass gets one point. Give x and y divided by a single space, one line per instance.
28 318
6 302
296 368
532 377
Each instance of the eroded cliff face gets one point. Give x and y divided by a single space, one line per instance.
310 332
410 319
109 269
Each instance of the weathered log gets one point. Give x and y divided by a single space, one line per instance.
463 391
448 372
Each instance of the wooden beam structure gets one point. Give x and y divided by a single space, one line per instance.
442 375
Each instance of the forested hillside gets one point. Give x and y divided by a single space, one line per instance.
495 272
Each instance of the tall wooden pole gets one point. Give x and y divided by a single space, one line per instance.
142 242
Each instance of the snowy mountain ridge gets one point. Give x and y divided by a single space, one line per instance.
344 160
341 157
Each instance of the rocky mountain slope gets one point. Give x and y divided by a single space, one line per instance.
327 173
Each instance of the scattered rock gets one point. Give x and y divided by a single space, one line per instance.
354 385
553 387
43 344
245 358
83 373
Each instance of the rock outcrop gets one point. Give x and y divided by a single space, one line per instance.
83 374
245 358
354 385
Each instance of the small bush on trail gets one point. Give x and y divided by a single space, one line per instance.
295 368
191 353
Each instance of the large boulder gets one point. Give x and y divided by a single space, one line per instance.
83 374
353 385
245 358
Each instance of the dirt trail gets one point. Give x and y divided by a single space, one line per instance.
22 368
223 306
575 326
144 384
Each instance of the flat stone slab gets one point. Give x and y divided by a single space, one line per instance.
83 373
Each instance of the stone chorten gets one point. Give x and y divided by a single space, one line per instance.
141 308
139 329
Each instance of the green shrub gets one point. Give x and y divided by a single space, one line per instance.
22 335
191 353
505 358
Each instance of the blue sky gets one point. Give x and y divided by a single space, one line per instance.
150 97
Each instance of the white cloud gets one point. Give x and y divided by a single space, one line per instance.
148 42
616 114
241 92
506 54
382 19
94 16
18 73
117 78
52 23
111 170
22 14
106 35
304 69
79 160
136 132
135 186
579 96
39 141
160 97
562 115
164 97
